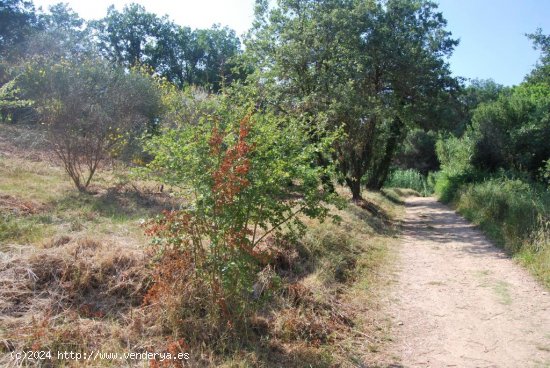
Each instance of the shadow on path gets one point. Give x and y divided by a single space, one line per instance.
432 221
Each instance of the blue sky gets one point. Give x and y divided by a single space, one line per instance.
492 36
491 32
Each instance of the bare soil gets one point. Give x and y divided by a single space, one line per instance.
461 302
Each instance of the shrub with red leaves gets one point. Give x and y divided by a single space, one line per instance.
240 183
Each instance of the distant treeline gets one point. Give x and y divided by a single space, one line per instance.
184 56
374 71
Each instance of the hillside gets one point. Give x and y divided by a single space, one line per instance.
74 271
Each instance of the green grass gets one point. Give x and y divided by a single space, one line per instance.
338 249
30 229
345 262
34 181
396 195
57 208
538 263
501 290
513 213
409 179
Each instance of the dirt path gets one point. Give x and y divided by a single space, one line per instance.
459 301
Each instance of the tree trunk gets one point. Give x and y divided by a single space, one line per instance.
354 181
380 173
355 187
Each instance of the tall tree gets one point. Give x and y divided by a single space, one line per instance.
127 37
203 57
17 21
542 72
376 68
62 34
186 57
219 47
175 55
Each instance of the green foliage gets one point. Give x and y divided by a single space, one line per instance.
418 152
17 22
62 34
541 74
509 129
512 211
490 173
454 154
90 110
482 91
243 183
10 101
372 68
127 37
512 133
544 174
477 91
410 179
447 185
185 57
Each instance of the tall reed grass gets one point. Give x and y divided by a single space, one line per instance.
409 179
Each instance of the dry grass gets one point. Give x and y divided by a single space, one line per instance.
73 273
326 313
70 295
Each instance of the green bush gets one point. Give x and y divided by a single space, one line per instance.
447 185
454 154
512 132
508 209
512 212
241 182
410 179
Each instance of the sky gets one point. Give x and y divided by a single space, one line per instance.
236 14
492 37
491 32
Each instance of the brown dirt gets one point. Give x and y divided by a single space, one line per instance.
17 206
461 302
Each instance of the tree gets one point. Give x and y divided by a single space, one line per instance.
176 54
88 109
219 46
202 57
512 132
17 21
542 72
418 152
509 127
375 68
62 34
127 37
186 57
480 91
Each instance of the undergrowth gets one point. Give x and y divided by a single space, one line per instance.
74 273
513 213
410 179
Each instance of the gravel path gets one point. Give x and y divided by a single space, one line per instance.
459 301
